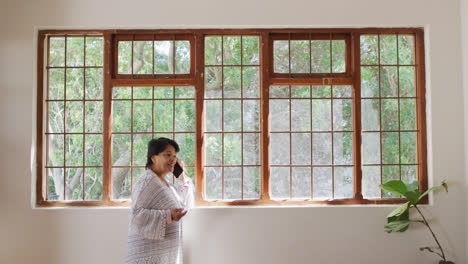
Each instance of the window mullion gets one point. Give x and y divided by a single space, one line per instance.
355 57
199 116
266 59
107 120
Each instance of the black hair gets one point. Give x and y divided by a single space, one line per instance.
156 146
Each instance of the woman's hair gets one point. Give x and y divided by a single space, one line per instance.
156 146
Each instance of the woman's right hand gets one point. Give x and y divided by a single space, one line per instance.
177 213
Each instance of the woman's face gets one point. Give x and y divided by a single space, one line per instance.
164 162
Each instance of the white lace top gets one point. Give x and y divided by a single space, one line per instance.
151 239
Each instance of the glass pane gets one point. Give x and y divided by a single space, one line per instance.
343 177
408 149
94 51
56 118
388 82
56 83
300 149
164 57
232 82
74 117
233 183
143 57
250 50
121 183
55 184
163 92
232 115
321 115
300 115
300 56
55 150
214 183
251 115
371 182
94 83
121 116
125 57
301 183
281 56
389 114
186 143
213 82
319 91
163 116
343 91
342 115
322 183
93 184
213 149
232 149
406 49
279 183
213 51
122 93
251 149
75 84
74 150
137 172
390 173
142 116
185 115
390 148
250 82
369 81
279 147
251 183
75 51
407 81
322 149
370 114
320 56
343 148
74 189
370 148
338 58
407 114
279 115
232 50
140 149
121 150
300 91
213 115
279 91
182 59
93 150
388 49
369 50
409 174
186 92
57 52
142 92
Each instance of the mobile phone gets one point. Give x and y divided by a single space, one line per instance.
177 170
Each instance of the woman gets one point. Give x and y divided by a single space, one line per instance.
155 229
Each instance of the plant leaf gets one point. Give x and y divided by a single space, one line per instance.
412 186
413 196
400 210
397 226
430 250
396 187
443 184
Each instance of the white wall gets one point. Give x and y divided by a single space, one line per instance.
464 70
232 235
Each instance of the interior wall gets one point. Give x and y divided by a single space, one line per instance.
464 70
323 234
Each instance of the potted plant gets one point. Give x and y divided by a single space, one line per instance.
398 219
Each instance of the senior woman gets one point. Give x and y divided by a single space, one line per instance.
155 229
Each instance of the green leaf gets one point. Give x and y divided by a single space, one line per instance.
430 250
443 184
413 196
404 217
397 226
400 210
412 186
396 187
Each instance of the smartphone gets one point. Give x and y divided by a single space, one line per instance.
177 170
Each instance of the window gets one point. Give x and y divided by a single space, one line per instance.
263 116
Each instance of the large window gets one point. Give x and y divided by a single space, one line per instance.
263 116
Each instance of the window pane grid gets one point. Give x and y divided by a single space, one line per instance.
71 140
391 55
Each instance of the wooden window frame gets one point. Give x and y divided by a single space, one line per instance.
267 78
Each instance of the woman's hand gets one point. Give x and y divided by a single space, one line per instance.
177 213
